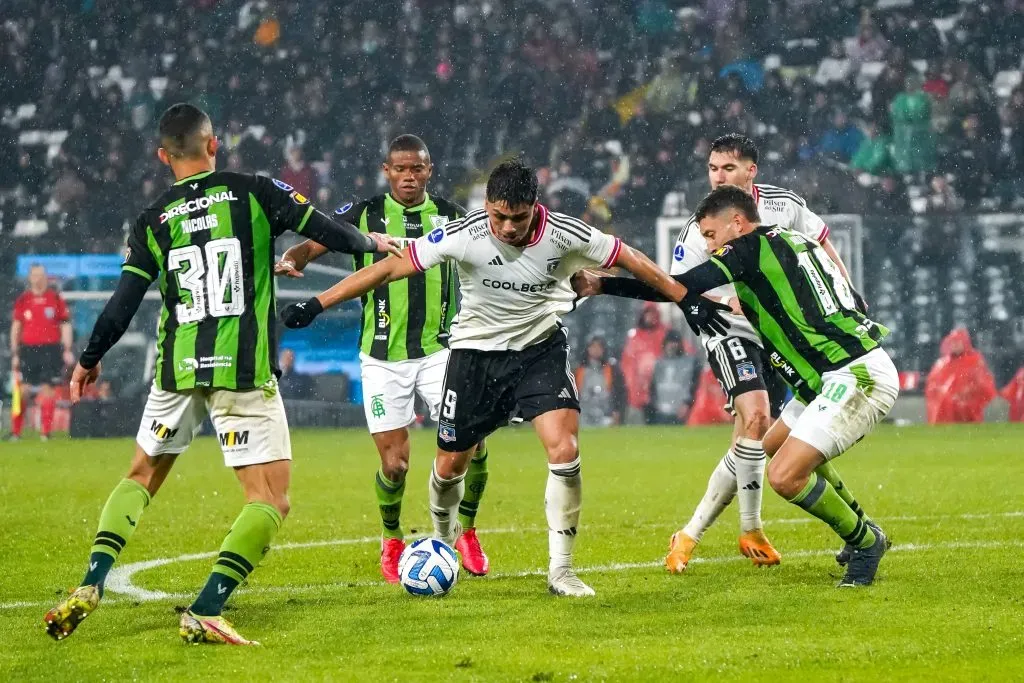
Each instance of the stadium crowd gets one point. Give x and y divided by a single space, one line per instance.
862 106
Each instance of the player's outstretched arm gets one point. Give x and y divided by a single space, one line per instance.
109 328
647 271
296 258
365 280
346 238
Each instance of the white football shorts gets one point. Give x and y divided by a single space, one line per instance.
251 425
390 389
852 401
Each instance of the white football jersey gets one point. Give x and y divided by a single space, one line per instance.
777 207
513 297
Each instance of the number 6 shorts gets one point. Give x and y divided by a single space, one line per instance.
251 425
852 401
390 389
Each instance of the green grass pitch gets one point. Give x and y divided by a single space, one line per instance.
948 603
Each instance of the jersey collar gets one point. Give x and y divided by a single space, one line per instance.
757 195
408 209
541 225
197 176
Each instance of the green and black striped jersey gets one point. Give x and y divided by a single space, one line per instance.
209 244
409 318
800 304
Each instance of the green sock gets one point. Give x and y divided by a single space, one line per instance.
476 482
822 501
242 550
117 523
389 500
831 474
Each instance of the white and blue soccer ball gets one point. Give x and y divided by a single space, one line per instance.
428 567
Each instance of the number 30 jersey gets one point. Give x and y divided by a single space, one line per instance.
209 244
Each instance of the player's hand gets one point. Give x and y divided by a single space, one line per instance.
80 379
301 314
386 244
704 315
586 283
69 359
862 305
287 268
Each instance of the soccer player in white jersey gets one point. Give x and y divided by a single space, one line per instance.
508 346
748 375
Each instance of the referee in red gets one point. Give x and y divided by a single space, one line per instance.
41 347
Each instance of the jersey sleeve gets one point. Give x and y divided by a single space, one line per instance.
350 212
19 309
806 222
735 258
600 248
439 245
690 251
138 258
286 208
63 314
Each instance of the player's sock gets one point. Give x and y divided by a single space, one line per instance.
721 489
240 553
563 498
117 523
389 500
749 460
445 495
47 408
831 474
476 482
822 501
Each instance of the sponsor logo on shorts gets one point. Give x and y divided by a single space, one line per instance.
446 432
377 405
162 432
782 365
436 235
745 372
234 440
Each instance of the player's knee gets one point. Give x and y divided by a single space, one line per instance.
564 450
783 479
756 423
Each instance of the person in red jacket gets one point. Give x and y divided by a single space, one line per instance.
299 174
41 347
641 350
1014 394
959 385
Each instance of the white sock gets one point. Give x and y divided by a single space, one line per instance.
721 489
562 500
749 462
445 495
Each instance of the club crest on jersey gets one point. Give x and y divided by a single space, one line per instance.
745 372
678 252
343 209
298 197
439 221
553 264
283 185
436 235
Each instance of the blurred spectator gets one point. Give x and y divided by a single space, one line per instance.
872 154
709 401
972 157
889 197
943 198
869 45
601 388
639 354
297 173
913 149
672 387
959 385
1013 392
295 385
835 67
842 140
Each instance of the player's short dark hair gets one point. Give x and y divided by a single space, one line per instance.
512 182
184 129
408 142
740 145
728 197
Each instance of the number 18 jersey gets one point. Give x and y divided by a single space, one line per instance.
209 244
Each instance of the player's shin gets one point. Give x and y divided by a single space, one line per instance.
476 482
749 461
444 495
831 475
720 492
389 501
563 498
241 552
821 500
120 515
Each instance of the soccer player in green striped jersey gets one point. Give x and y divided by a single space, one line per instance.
823 345
404 342
208 242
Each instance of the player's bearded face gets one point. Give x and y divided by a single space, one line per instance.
510 224
726 168
408 173
719 230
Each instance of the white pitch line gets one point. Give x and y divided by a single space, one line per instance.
612 567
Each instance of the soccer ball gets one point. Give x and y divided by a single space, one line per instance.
428 567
